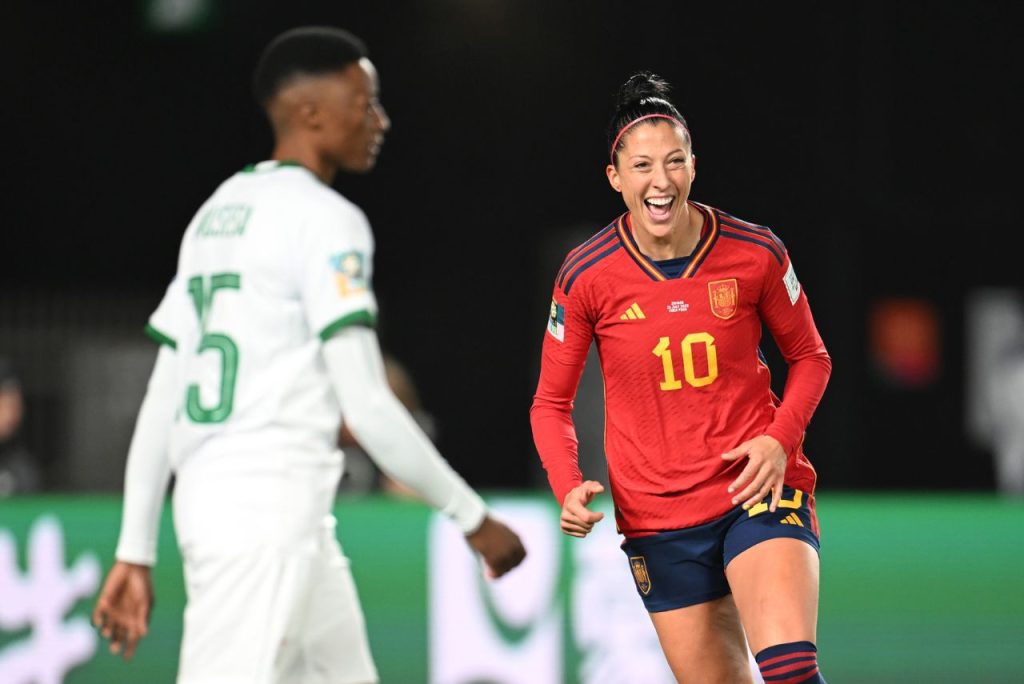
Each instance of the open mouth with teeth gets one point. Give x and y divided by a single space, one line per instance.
659 207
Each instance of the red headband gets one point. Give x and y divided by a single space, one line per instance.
632 123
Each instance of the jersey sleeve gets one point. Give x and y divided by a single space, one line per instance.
570 330
787 313
167 323
335 271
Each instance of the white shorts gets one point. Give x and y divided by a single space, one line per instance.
274 615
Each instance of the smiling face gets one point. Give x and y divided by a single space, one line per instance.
655 169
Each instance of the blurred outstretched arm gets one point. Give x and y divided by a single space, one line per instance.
390 435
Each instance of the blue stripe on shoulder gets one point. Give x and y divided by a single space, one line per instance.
740 224
756 239
744 226
598 240
587 264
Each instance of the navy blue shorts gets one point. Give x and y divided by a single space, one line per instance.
685 567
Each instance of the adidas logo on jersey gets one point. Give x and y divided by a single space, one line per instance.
632 313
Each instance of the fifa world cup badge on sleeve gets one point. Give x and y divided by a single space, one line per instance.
349 272
792 284
556 321
724 295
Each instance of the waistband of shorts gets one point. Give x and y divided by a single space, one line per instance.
672 535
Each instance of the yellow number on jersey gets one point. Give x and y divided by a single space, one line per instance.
671 382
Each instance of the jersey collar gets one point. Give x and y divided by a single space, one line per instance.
271 165
709 235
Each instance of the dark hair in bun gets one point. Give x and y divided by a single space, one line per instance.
643 94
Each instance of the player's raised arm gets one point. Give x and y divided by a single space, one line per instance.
397 444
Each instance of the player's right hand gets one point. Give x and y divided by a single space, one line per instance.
498 545
577 520
123 607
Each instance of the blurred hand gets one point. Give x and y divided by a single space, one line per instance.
577 520
764 472
498 545
123 607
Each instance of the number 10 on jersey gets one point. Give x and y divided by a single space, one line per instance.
202 291
664 352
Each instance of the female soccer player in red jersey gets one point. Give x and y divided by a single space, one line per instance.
712 490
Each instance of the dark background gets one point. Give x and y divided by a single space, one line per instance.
874 137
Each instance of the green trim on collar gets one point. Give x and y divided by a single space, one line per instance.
271 165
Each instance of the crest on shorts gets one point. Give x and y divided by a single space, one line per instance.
643 580
725 297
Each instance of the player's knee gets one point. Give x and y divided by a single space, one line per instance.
794 663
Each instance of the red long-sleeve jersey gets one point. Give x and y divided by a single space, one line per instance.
684 378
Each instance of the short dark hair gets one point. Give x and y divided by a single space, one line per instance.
306 50
643 94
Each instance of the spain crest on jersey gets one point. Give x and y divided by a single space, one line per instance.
725 297
349 272
643 580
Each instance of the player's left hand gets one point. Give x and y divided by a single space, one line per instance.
498 545
123 607
764 472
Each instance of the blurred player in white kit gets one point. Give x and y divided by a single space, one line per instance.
266 340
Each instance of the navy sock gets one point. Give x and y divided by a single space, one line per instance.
792 663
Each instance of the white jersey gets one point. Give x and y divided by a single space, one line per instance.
272 264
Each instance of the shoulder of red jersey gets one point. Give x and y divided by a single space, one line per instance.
582 258
745 232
